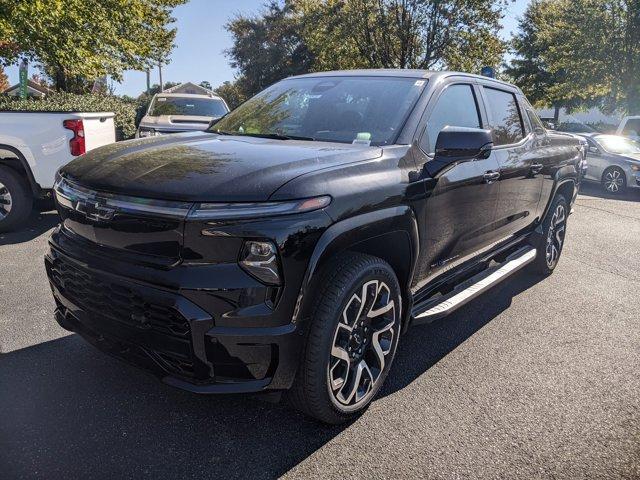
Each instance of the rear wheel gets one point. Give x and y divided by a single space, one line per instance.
614 180
16 200
352 339
549 245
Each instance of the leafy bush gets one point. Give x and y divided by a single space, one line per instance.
125 110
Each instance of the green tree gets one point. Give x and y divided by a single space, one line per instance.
528 68
424 34
76 41
299 36
268 47
206 84
4 80
234 93
580 53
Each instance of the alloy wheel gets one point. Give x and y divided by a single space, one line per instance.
613 181
363 340
5 201
555 236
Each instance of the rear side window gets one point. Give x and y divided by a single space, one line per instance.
535 122
504 116
456 107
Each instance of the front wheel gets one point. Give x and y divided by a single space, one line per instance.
614 180
352 339
549 245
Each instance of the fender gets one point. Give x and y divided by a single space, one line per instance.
570 176
353 233
20 156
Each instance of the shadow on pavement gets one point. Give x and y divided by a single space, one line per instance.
592 189
426 345
69 411
36 225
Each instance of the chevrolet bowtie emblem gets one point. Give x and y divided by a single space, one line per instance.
95 210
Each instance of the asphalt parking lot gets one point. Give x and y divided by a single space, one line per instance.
536 379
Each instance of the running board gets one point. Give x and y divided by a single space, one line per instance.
475 286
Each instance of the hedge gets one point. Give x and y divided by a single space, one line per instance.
67 102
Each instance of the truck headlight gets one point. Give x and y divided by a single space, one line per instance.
260 260
238 211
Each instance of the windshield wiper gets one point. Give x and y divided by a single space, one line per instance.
275 136
278 136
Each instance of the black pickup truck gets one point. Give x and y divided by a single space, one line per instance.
292 245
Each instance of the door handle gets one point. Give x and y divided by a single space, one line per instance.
536 167
490 177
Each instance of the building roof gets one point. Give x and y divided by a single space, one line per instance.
32 87
192 88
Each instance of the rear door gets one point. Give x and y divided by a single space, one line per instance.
461 200
519 153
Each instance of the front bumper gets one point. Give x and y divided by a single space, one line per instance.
230 340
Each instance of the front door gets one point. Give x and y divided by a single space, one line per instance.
461 200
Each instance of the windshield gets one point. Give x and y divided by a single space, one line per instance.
619 145
368 110
205 107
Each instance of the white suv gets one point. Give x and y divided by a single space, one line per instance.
180 112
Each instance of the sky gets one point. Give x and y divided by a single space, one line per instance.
201 40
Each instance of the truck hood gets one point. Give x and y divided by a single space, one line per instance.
207 167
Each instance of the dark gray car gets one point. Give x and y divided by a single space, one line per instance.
614 161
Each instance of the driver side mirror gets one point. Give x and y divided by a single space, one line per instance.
457 144
594 150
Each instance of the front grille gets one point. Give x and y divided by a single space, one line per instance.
102 297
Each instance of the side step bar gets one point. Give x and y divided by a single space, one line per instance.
470 289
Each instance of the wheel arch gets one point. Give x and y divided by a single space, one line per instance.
390 234
567 187
15 159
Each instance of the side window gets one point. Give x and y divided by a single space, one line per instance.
536 123
504 116
456 107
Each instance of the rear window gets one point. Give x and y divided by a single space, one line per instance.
504 116
204 107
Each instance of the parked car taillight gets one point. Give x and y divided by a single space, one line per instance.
77 142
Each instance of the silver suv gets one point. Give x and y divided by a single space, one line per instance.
180 112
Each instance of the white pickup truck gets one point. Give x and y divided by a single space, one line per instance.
33 146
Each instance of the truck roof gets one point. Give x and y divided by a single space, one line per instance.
401 72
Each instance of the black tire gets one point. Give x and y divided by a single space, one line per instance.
554 228
614 180
316 391
16 200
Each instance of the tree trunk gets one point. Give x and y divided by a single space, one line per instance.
556 114
60 80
